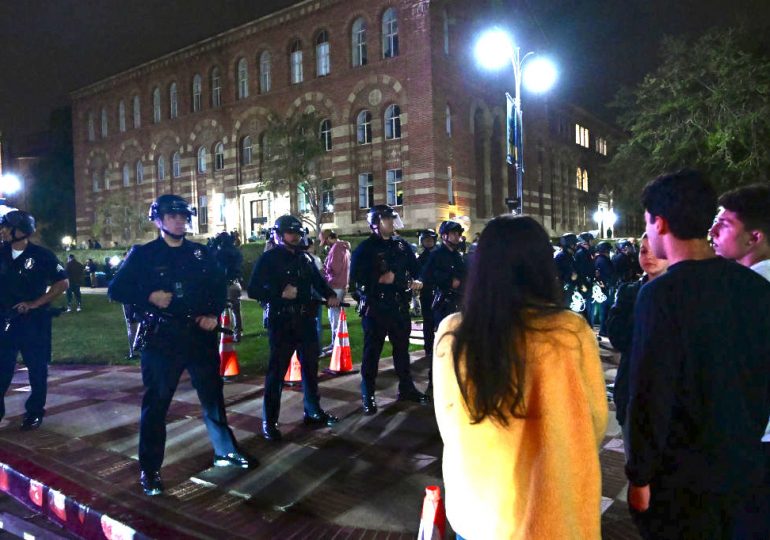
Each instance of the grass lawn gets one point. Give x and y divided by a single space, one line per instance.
97 335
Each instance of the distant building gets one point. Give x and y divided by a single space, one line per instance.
407 118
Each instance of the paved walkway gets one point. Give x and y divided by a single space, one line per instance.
364 478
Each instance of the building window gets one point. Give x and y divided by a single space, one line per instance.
106 181
365 190
219 157
389 34
126 175
203 210
156 105
243 79
176 165
393 122
446 33
173 101
600 145
395 187
216 88
322 56
202 159
303 200
364 127
91 128
358 35
139 172
137 113
296 62
448 115
264 152
581 135
122 116
104 122
197 90
450 185
265 78
581 179
585 180
161 168
95 182
246 151
326 134
327 200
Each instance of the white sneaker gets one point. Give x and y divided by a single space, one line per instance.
80 308
69 309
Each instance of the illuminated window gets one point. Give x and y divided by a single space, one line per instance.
322 55
126 175
265 78
246 151
219 157
202 159
95 182
203 210
197 91
216 88
161 168
327 200
176 165
389 34
395 187
581 179
364 127
326 134
139 172
173 101
156 105
448 114
295 61
358 35
365 190
581 135
393 122
303 200
600 145
585 180
450 185
243 79
122 116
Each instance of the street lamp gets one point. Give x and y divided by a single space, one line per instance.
9 184
494 49
605 218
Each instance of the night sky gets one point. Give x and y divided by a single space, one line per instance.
51 47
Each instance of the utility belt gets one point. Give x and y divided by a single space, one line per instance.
292 310
152 323
382 303
9 316
445 299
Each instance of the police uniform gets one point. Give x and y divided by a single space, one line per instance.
443 267
230 260
385 311
25 278
426 299
584 268
292 326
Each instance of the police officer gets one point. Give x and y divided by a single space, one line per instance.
26 271
230 260
622 263
605 281
565 264
584 268
177 287
288 282
383 269
427 239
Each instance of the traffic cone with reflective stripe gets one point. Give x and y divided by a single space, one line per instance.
433 521
342 358
228 358
294 373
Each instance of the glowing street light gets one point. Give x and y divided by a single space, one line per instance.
605 219
66 242
9 184
494 49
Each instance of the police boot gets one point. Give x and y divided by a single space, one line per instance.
320 418
151 483
370 405
413 395
270 431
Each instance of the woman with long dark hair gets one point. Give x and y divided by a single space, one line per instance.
520 397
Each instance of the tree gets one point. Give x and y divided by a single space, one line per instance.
295 161
707 107
121 218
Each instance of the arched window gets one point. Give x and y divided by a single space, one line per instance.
197 91
446 32
176 165
393 122
295 60
322 57
139 171
358 37
122 116
246 151
326 134
137 113
216 88
161 168
219 157
243 79
448 121
104 122
95 182
126 175
156 105
173 101
202 159
364 127
389 34
585 180
579 178
91 128
265 79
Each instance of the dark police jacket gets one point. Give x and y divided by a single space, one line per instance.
376 256
426 293
584 267
565 267
27 277
280 267
188 271
442 267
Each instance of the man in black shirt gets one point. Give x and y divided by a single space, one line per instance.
699 377
30 278
427 239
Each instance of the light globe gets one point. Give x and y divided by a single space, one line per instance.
539 75
494 49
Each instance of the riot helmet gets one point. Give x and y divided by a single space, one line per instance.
171 204
288 224
426 233
450 226
568 241
18 220
603 247
586 238
383 211
623 245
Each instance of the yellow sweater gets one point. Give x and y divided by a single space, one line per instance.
540 476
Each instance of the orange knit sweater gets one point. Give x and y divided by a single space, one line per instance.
539 477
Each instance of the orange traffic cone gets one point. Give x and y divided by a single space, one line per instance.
342 358
433 521
228 358
294 373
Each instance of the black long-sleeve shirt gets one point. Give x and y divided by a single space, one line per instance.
700 378
442 267
376 256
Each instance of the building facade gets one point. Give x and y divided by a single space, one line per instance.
405 116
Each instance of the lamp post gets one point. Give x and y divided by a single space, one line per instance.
605 218
9 184
494 49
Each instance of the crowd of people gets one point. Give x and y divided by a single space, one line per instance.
516 379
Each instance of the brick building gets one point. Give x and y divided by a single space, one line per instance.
407 119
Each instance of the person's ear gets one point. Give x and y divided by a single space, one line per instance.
661 225
756 237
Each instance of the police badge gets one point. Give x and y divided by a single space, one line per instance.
29 263
198 254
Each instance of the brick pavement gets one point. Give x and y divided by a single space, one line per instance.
364 478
